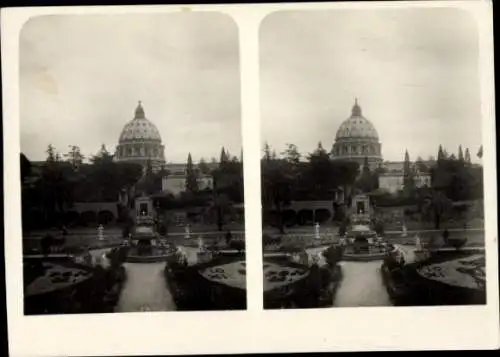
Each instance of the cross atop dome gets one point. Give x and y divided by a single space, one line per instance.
139 112
356 109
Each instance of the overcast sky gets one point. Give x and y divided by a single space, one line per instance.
415 74
82 77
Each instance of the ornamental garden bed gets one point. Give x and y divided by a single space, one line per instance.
64 287
446 278
219 284
288 284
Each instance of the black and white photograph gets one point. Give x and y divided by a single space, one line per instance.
250 178
131 164
372 172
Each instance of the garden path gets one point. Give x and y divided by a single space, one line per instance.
361 285
145 289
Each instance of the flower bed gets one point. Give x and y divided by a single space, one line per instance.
289 284
73 287
219 284
446 278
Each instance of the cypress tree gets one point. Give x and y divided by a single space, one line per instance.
467 156
223 156
191 177
441 155
460 154
407 174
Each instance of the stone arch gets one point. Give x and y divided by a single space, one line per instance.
289 217
105 216
88 217
305 216
322 215
71 217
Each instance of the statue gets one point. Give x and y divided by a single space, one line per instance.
316 231
418 242
100 234
201 244
405 233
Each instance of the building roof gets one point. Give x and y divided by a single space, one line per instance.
357 126
139 128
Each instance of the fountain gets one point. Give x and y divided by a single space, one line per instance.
361 242
145 244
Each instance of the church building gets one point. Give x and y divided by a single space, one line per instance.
140 142
357 139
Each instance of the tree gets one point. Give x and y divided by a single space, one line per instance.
442 154
457 243
222 206
480 152
420 165
320 150
367 180
203 166
436 206
408 179
333 255
25 167
317 176
267 151
191 176
51 154
46 244
460 154
223 156
228 179
102 156
292 154
150 183
237 244
467 156
276 187
74 156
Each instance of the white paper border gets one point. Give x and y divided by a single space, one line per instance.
254 330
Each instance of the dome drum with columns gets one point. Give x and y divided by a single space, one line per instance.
357 139
140 142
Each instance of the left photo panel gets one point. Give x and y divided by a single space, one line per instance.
131 163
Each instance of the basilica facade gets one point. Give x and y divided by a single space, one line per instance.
357 139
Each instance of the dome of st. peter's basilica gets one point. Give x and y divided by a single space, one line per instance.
357 139
140 141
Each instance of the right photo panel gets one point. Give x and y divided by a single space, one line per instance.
372 180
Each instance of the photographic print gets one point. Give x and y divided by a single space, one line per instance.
131 163
372 172
284 174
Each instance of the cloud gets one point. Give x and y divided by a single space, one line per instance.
414 71
82 75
